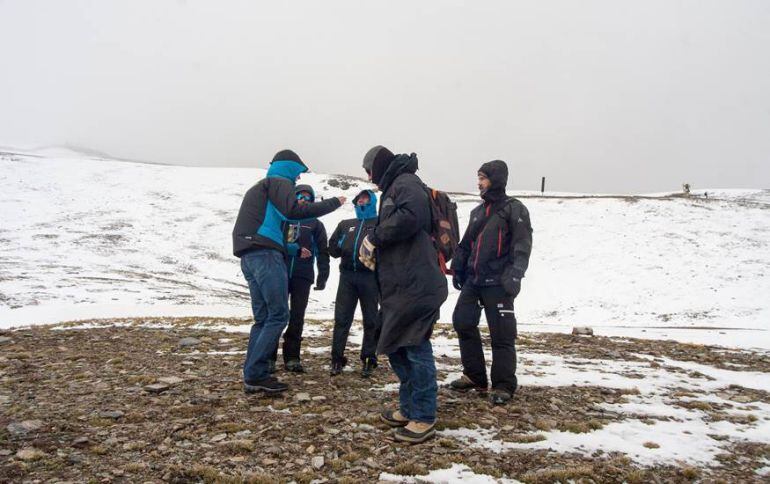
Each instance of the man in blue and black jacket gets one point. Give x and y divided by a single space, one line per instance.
307 246
259 241
357 284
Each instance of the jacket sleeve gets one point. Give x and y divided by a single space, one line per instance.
280 192
322 253
334 249
521 240
463 250
410 215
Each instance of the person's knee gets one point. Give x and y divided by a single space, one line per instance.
463 322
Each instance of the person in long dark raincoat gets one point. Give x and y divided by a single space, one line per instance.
412 289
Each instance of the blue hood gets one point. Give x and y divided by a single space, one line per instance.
369 210
286 169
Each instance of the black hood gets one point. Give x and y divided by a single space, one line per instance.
497 172
378 151
385 171
288 155
305 188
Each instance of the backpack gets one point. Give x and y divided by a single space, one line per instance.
445 229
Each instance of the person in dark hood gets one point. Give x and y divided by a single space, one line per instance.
357 284
259 241
307 245
488 267
412 289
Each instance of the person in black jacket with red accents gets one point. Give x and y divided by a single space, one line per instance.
259 241
357 284
306 246
488 266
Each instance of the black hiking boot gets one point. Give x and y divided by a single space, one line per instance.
269 385
393 418
464 384
415 432
336 368
294 366
369 365
499 397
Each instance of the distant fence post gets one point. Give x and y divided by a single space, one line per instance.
542 186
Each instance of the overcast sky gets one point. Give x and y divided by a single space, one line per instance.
598 96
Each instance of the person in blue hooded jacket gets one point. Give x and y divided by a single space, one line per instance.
307 247
259 241
357 284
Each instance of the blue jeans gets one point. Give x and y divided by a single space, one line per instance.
416 368
265 271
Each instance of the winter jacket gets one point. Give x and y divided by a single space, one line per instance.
266 205
346 239
412 287
309 234
498 241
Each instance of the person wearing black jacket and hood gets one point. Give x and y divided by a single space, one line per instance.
357 283
306 246
412 289
259 241
488 266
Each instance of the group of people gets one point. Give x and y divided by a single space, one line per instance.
390 265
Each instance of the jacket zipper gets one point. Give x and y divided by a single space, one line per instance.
355 247
499 241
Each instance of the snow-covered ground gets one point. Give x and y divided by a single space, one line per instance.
84 237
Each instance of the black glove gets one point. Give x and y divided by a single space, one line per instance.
458 279
320 286
513 286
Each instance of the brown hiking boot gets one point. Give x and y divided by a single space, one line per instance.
393 418
416 432
463 384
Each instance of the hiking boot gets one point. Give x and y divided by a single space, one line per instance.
416 432
271 366
369 365
267 385
294 366
336 368
463 384
499 397
393 418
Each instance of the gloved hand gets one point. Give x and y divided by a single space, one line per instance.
458 279
320 285
366 254
514 286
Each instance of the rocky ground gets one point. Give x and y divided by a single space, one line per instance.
150 400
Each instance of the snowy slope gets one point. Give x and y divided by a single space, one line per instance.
85 237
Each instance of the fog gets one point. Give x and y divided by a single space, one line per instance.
598 96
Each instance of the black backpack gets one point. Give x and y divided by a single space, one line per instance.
445 229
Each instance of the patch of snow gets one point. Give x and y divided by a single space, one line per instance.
456 473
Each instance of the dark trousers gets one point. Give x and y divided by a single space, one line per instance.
355 287
299 292
498 307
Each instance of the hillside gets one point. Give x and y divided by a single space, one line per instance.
84 237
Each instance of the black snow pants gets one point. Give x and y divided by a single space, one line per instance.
354 287
498 307
299 292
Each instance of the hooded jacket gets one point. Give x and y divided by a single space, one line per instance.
412 287
270 202
309 234
498 241
349 234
